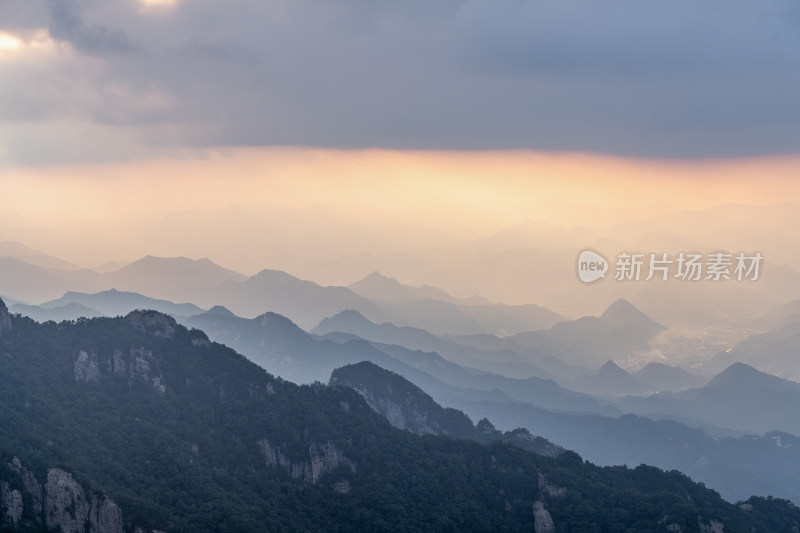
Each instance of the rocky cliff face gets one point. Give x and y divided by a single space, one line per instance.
401 402
67 506
323 459
136 364
543 522
61 503
402 413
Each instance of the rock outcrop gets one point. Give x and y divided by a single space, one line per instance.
323 459
713 526
10 505
542 521
67 506
138 365
552 491
86 367
61 503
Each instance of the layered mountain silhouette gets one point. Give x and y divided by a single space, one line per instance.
113 302
513 403
275 342
620 330
183 434
57 313
658 377
433 309
384 289
569 347
503 361
775 318
611 380
28 283
739 398
176 278
774 351
406 406
33 257
305 302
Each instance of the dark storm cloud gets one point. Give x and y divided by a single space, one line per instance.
668 79
66 24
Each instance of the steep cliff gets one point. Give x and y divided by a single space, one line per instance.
408 407
61 502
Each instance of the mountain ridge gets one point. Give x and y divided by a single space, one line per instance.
272 455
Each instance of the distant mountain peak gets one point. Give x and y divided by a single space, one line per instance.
281 326
349 314
741 375
181 265
610 366
620 308
377 276
379 287
624 312
220 310
344 320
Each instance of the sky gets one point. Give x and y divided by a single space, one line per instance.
351 127
100 80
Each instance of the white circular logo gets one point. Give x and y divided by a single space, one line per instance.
591 266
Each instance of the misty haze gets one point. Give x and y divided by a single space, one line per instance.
412 266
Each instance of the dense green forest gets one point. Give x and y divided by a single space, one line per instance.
185 435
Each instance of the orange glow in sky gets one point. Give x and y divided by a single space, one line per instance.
461 194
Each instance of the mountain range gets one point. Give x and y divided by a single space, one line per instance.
550 411
734 466
739 398
611 380
138 422
274 342
503 361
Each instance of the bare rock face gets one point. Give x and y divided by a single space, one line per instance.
402 415
60 504
105 516
86 367
553 491
67 506
65 503
10 505
142 365
323 459
29 483
542 521
713 526
138 364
